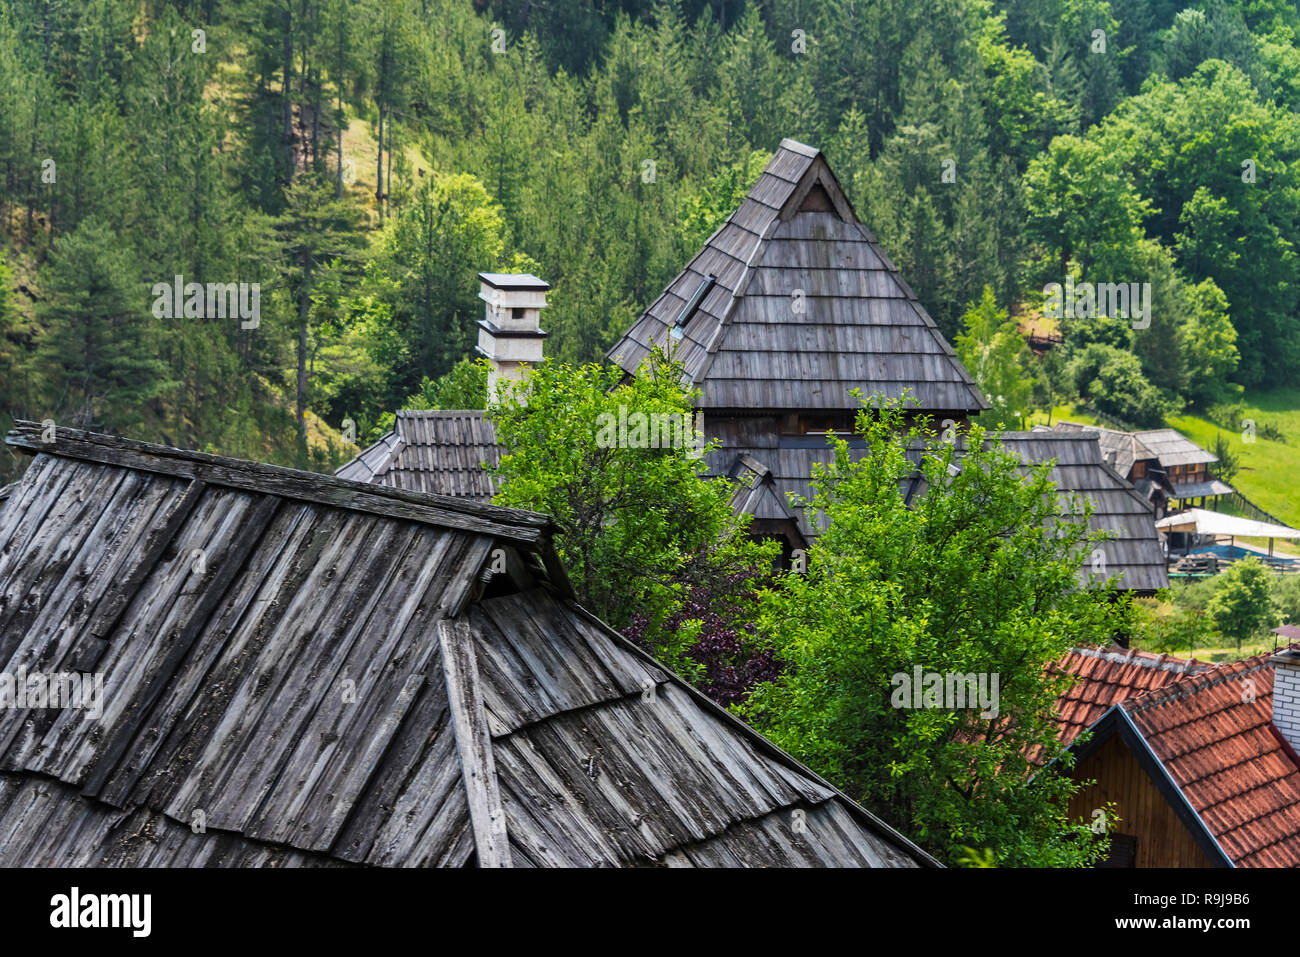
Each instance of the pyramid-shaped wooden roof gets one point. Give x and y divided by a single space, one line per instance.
803 307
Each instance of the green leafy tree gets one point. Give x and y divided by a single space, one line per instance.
1112 380
1081 208
1218 165
1241 606
631 518
980 576
426 268
995 353
464 387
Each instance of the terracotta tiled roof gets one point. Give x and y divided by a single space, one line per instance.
1107 676
1213 733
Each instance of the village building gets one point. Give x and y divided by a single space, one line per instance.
1199 759
302 670
1164 465
790 306
773 468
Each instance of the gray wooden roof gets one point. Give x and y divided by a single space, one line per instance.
447 453
784 465
1123 447
795 241
1171 447
1168 446
332 675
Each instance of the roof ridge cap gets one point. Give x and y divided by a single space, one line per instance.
1194 683
803 149
288 483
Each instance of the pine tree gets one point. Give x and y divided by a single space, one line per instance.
98 356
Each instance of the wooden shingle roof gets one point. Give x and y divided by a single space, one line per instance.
1135 552
446 453
804 307
1168 446
1124 447
1172 448
323 672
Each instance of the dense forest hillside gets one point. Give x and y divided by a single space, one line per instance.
333 173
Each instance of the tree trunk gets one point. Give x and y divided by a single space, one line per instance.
315 123
379 168
304 305
286 89
338 136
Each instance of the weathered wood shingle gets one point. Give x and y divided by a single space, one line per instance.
805 307
779 466
301 670
446 453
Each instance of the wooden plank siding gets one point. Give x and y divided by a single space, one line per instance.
1163 840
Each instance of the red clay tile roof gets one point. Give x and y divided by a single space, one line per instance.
1218 744
1107 676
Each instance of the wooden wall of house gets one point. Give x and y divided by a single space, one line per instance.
1162 838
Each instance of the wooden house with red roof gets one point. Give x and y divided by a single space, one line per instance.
1199 760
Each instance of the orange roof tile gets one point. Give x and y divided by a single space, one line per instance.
1107 676
1213 732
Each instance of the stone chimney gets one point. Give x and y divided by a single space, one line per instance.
509 334
1286 694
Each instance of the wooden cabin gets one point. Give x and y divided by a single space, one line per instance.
1198 759
1164 465
301 670
789 307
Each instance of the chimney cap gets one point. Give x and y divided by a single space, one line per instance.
513 280
1285 656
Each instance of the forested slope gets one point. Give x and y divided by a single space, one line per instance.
357 161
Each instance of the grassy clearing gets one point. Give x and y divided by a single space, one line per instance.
1066 412
1269 470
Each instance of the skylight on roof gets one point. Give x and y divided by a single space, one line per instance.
688 310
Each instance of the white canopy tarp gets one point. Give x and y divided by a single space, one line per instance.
1204 522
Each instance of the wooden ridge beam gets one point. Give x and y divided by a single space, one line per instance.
517 525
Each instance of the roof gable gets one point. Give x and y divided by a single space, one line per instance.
1214 735
1207 740
805 307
